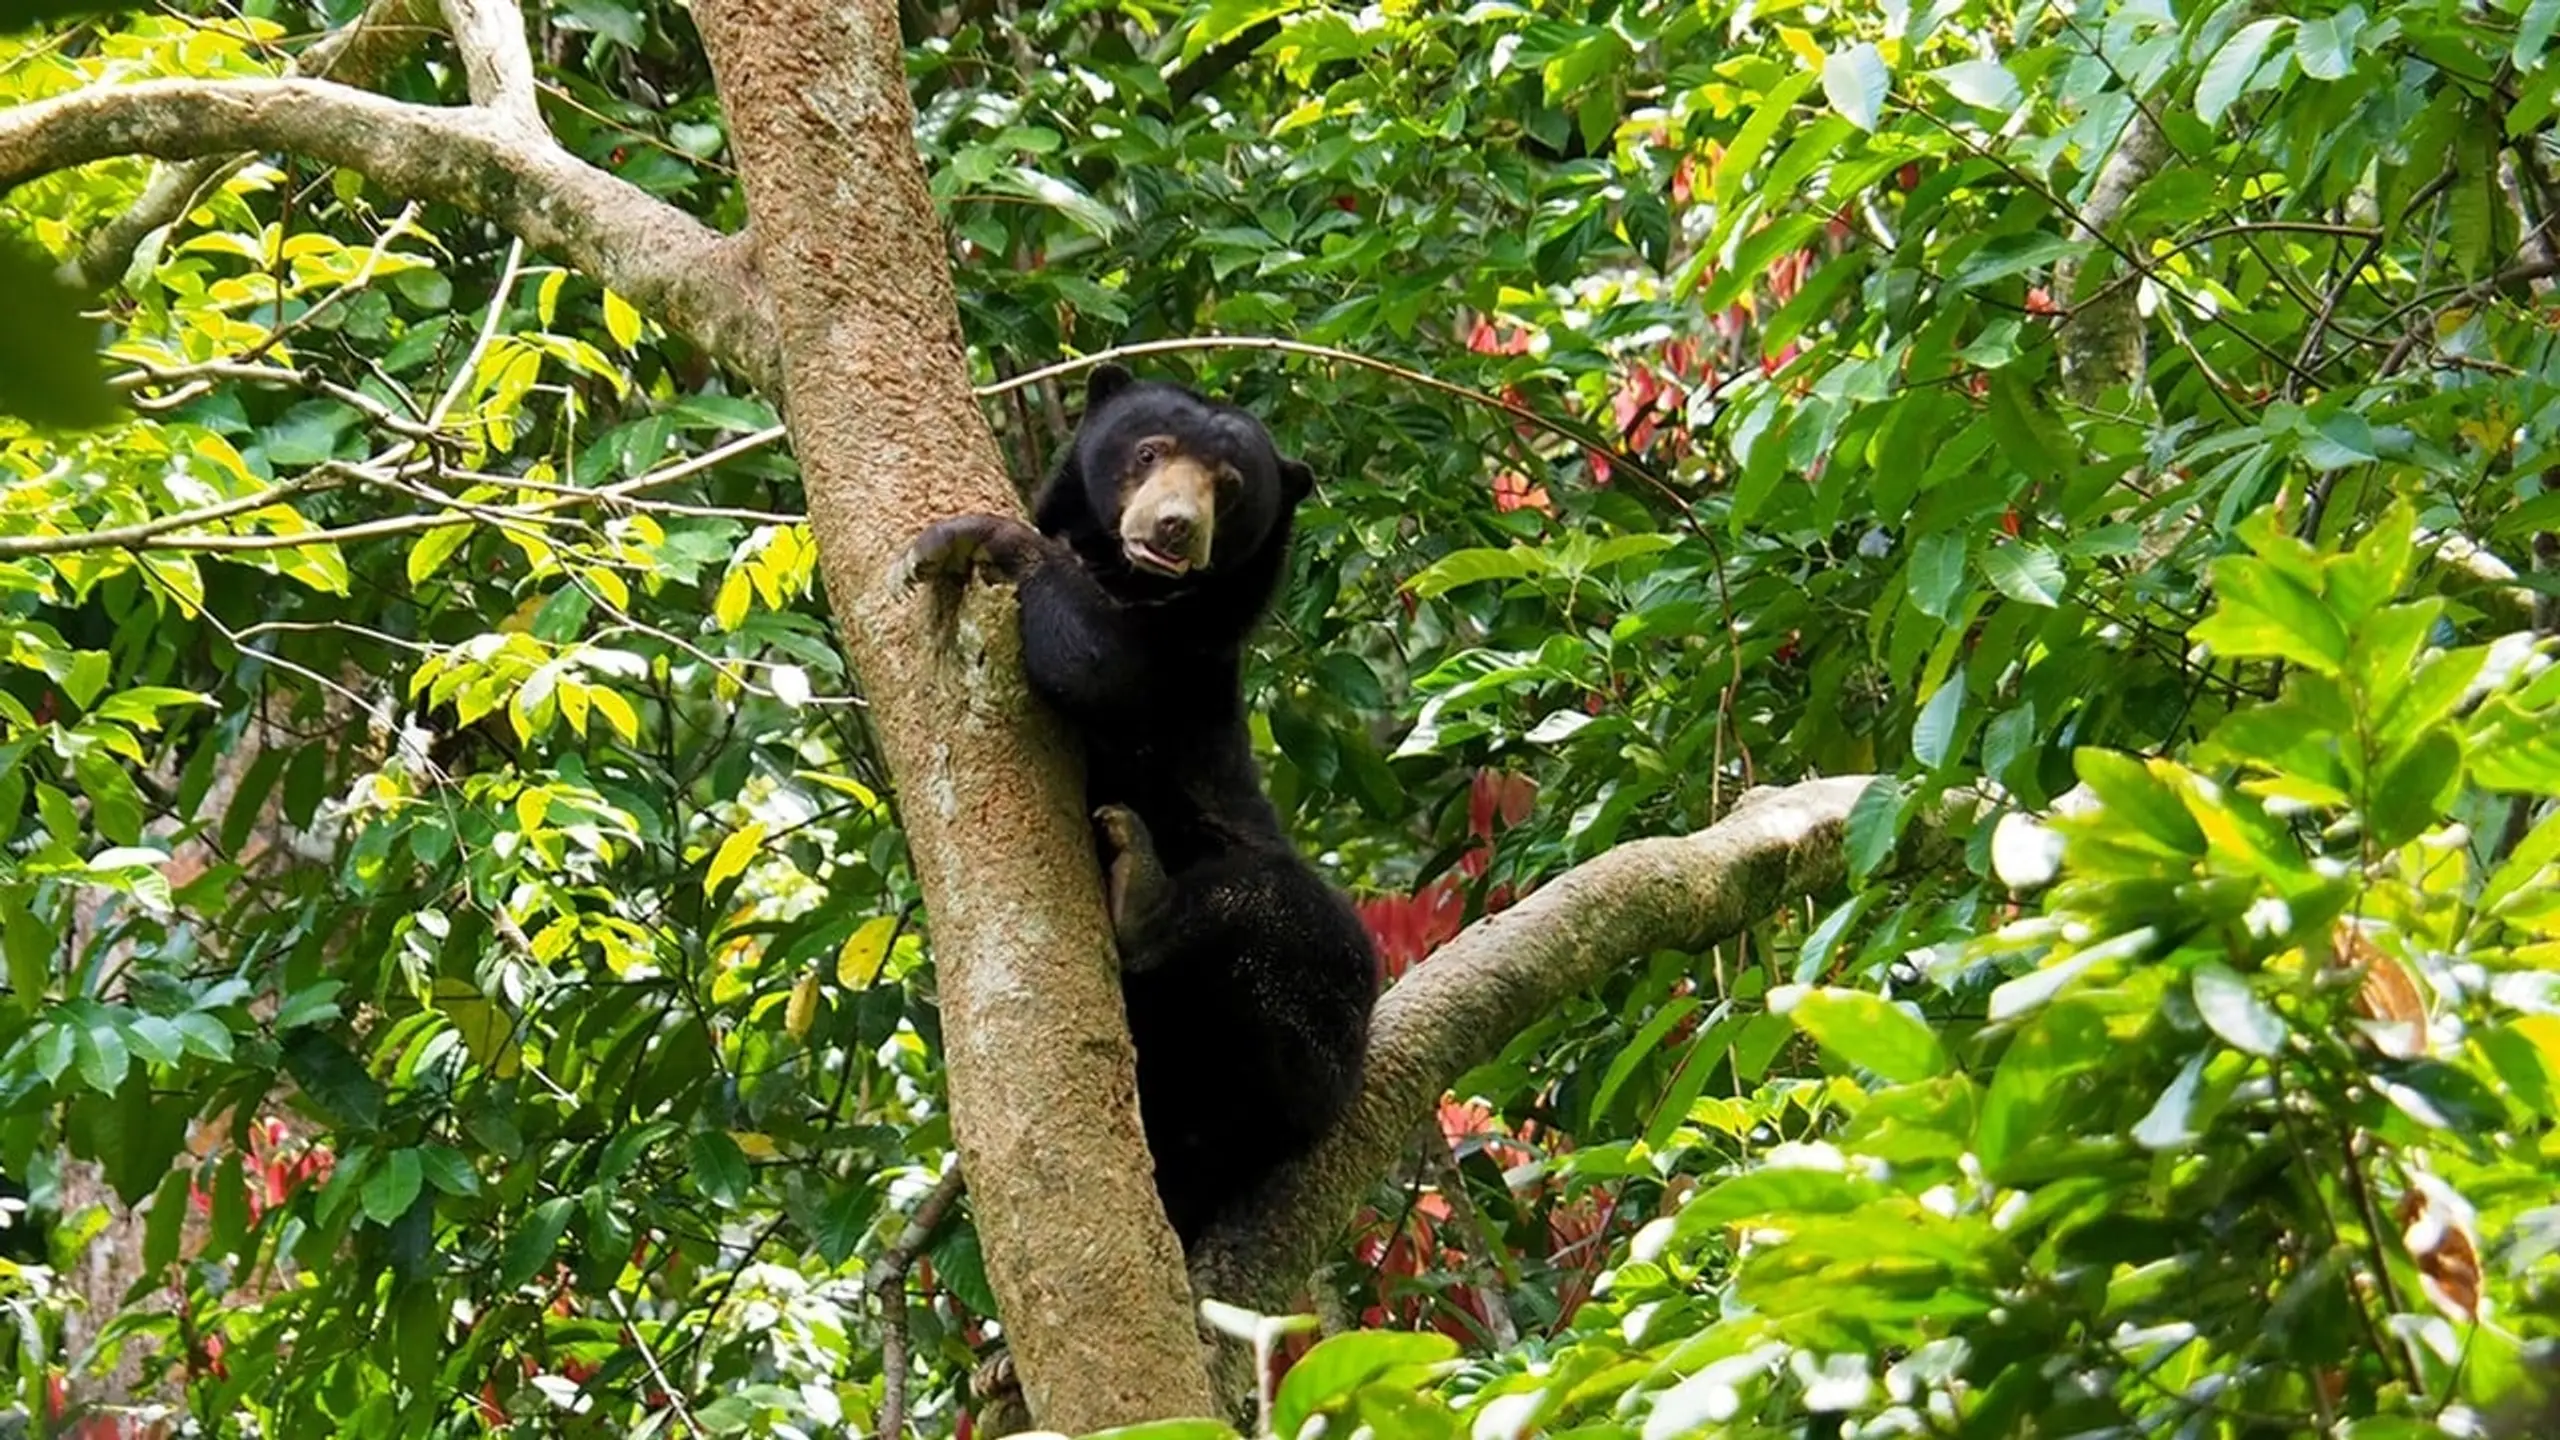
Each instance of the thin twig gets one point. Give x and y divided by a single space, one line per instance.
886 1281
246 372
1481 1250
462 513
488 334
1618 459
138 534
649 1358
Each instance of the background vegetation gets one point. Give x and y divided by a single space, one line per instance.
447 876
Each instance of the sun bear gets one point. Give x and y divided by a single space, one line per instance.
1248 979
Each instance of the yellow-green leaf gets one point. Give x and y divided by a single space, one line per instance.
734 853
433 549
730 606
617 711
621 321
865 950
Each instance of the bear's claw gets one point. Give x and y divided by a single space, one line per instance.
950 549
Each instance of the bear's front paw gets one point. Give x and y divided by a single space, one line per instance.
948 549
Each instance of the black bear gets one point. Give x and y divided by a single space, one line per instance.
1248 979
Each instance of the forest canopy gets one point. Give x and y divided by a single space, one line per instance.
466 966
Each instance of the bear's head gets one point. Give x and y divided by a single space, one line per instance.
1167 485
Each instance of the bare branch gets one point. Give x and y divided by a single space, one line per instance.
139 535
887 1281
356 54
658 257
1460 1007
154 534
496 62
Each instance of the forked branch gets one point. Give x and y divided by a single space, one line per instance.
664 261
1459 1008
357 53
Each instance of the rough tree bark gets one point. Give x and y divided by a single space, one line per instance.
1096 1305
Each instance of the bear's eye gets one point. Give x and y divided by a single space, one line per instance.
1149 452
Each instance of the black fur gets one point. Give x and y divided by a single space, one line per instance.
1248 979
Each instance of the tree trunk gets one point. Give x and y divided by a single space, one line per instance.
875 379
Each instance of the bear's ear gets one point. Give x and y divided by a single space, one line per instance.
1297 482
1105 382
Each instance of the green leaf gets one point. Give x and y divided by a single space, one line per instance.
434 548
2170 1125
99 1050
2413 790
2533 33
842 1219
448 1170
1875 826
2325 47
2008 255
2265 612
1933 734
2232 1009
962 1263
1753 138
1167 1430
1637 1050
1854 80
2523 868
142 704
166 1224
1984 83
2033 1085
228 1228
1340 1364
530 1247
1474 567
2515 751
719 1167
2338 441
2029 574
1787 1190
1866 1030
2009 739
313 1004
204 1034
392 1187
1937 573
333 1078
2138 797
2231 67
29 944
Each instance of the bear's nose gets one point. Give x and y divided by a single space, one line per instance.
1173 532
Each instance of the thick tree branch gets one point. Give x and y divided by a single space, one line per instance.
1459 1008
497 64
1097 1309
2102 338
661 259
358 54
